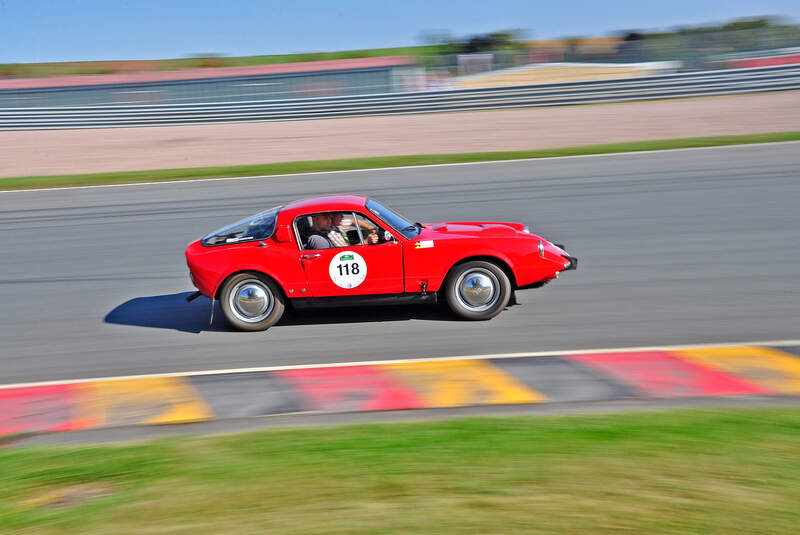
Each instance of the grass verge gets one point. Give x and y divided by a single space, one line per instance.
661 472
311 166
68 68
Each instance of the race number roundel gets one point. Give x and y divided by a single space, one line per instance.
347 269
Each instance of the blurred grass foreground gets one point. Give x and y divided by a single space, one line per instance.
687 471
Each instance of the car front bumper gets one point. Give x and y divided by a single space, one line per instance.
573 263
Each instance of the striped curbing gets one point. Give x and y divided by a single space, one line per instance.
649 373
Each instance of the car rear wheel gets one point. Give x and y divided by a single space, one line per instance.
251 302
477 290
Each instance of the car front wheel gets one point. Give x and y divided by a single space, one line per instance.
477 290
251 302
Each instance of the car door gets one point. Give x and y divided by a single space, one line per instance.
355 269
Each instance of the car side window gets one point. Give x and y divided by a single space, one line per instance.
303 226
328 230
371 232
258 227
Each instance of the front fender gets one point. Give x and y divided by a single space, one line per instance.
430 266
484 254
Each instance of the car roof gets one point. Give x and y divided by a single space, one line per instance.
325 203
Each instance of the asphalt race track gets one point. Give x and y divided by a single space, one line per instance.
680 247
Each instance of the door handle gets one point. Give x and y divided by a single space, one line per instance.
311 255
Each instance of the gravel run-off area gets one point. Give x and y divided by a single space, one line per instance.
50 152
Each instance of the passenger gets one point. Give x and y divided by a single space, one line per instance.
340 222
336 235
320 227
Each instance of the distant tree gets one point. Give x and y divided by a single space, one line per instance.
497 40
749 24
479 43
633 36
507 39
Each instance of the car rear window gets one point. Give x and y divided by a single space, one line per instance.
257 227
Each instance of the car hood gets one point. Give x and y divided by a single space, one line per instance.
471 228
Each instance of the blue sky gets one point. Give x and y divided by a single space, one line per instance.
74 30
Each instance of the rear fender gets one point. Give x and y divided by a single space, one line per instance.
252 269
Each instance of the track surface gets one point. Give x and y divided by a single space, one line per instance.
675 247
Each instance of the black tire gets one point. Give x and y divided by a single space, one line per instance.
477 290
258 312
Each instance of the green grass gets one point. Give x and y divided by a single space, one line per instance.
108 67
666 472
311 166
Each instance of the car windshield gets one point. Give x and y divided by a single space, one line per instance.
257 227
398 222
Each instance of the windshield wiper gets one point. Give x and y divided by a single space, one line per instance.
409 228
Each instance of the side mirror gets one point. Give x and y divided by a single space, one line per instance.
283 234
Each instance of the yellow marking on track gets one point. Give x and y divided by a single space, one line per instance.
456 383
162 400
770 368
198 373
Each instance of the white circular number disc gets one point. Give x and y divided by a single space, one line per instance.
347 269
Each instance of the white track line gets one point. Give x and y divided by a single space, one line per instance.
607 154
403 361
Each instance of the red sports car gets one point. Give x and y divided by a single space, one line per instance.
348 249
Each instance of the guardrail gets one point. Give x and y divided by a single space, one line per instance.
591 92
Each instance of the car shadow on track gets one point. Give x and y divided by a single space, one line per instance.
171 311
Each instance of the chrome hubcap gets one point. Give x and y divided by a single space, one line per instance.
251 301
477 289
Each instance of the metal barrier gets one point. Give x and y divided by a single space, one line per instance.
646 88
